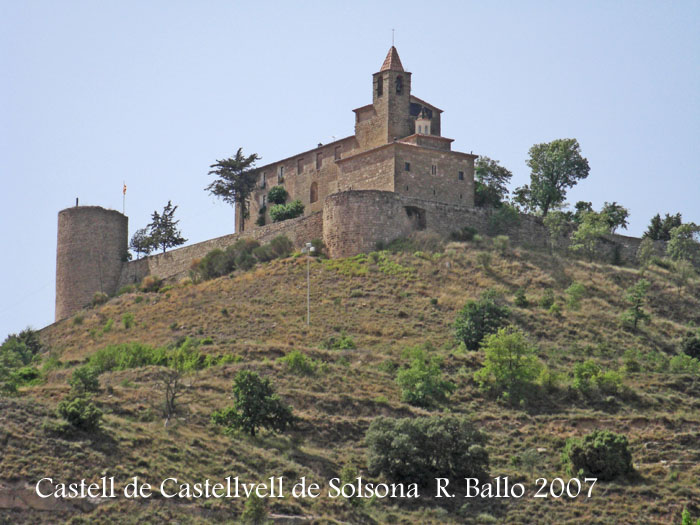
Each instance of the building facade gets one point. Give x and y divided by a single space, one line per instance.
397 147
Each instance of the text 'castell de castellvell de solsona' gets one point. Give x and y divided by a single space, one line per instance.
395 175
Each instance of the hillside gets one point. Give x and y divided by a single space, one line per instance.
383 303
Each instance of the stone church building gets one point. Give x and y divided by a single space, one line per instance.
397 147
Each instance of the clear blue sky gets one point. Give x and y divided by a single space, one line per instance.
152 93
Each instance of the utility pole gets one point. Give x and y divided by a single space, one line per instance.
308 249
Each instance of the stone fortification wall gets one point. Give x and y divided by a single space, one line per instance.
354 221
92 242
176 263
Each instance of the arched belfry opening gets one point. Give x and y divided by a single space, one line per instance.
399 85
380 86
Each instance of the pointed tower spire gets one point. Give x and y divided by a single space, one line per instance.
392 61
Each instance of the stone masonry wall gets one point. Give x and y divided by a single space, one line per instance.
92 242
434 174
354 221
176 263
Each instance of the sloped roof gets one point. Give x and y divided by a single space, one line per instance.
392 61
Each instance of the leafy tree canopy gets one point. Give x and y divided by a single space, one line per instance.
555 167
660 229
163 231
236 178
491 182
616 215
683 244
255 406
141 243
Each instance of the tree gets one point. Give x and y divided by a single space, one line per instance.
555 167
636 297
85 379
601 454
255 406
141 243
615 215
420 449
660 229
236 181
683 244
163 230
510 363
585 238
422 383
478 319
491 181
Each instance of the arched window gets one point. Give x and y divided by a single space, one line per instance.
380 86
313 194
399 85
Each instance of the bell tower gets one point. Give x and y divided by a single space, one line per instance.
391 92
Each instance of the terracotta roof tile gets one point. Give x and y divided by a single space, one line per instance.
392 61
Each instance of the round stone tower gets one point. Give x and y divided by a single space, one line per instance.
92 244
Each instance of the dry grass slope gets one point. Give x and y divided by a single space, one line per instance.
384 302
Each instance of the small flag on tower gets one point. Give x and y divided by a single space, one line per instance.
124 189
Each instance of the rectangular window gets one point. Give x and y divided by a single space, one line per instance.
337 152
433 169
300 166
280 174
319 160
407 166
461 175
262 180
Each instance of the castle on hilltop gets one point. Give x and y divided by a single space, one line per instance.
396 175
397 147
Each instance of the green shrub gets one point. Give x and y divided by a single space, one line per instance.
584 374
277 195
684 364
26 375
555 310
589 376
255 508
282 212
215 264
80 413
503 218
510 364
690 344
85 379
574 294
423 448
520 299
465 234
342 342
278 248
298 363
601 454
126 355
255 406
477 319
78 319
422 383
128 320
547 299
129 288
